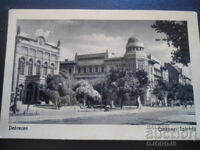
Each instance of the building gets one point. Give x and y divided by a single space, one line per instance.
95 66
34 59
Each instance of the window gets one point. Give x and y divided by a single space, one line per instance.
90 69
24 50
96 69
102 68
32 52
30 67
38 67
79 70
70 70
21 66
84 69
39 54
52 68
45 68
53 57
47 56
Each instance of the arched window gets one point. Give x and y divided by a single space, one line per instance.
38 68
21 65
30 67
45 68
52 68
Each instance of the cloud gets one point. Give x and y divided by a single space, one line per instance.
93 43
99 38
160 50
41 32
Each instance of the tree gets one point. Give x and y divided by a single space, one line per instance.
85 93
121 84
57 89
161 90
177 36
140 86
109 88
51 95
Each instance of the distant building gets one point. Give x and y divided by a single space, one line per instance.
176 75
34 59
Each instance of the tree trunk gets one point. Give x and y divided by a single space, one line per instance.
121 102
111 104
27 108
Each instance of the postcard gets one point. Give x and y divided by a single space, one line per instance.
101 74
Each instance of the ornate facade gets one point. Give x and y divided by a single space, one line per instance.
34 59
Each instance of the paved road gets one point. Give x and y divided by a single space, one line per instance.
169 116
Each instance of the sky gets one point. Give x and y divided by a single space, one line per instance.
96 36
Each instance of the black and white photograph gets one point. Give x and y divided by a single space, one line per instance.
102 72
115 72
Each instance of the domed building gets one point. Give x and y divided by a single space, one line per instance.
95 66
135 55
135 48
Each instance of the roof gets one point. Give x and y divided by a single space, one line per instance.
67 62
114 59
152 61
34 40
92 56
134 42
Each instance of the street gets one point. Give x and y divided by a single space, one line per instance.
161 117
147 115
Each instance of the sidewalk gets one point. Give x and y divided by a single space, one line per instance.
39 114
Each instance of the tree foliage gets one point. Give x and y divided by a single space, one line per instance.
85 92
57 89
121 84
161 90
177 36
182 92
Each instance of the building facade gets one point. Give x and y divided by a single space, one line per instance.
34 59
95 66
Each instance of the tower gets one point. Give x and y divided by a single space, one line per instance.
135 55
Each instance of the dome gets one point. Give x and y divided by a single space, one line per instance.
133 43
